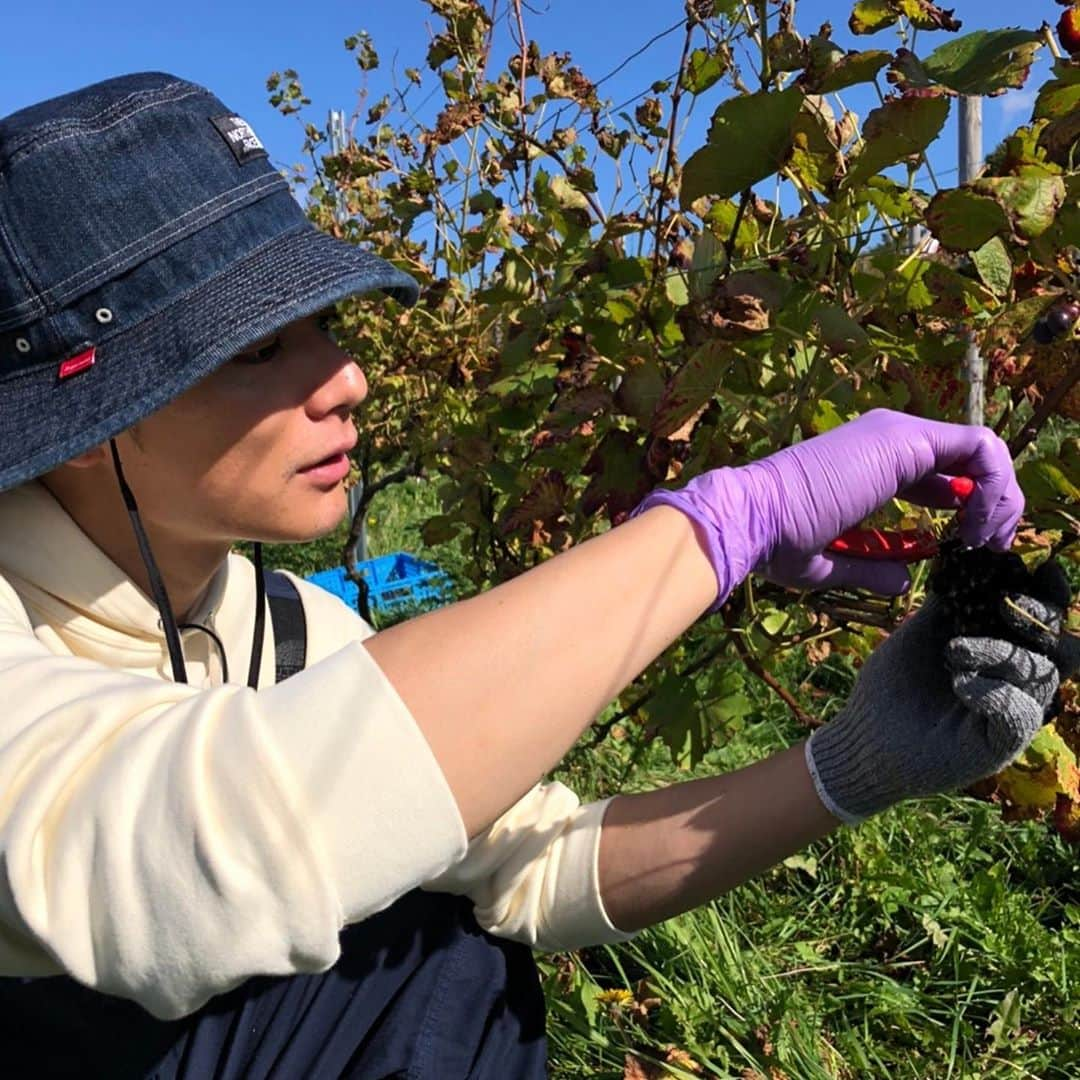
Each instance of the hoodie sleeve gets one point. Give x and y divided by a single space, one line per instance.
164 843
533 874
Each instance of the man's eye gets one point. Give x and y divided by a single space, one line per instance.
260 356
327 325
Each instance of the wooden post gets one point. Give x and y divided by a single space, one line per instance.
971 162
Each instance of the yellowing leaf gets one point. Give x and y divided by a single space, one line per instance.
568 196
1044 481
993 265
870 16
1032 200
1048 767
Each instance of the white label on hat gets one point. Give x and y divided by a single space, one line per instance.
239 137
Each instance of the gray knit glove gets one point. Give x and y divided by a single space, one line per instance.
931 715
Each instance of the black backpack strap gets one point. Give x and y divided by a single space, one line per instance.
290 625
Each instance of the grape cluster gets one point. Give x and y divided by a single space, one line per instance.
971 584
1059 320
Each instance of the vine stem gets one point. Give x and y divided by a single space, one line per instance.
754 666
669 157
525 196
348 556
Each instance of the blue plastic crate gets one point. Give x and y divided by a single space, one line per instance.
394 580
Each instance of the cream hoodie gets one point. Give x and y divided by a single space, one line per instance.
165 842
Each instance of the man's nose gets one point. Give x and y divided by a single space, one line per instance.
343 385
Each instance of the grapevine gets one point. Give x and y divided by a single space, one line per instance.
581 340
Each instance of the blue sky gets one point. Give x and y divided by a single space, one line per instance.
48 47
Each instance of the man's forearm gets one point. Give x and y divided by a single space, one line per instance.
503 684
666 851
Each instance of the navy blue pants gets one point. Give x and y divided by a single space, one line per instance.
420 992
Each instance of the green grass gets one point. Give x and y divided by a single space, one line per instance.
935 942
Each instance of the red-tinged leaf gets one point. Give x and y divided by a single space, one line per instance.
1067 818
619 476
544 504
923 15
963 220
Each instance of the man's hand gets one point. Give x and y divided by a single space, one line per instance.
932 714
777 516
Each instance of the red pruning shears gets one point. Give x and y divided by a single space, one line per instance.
903 545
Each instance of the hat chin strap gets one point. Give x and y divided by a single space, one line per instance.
161 596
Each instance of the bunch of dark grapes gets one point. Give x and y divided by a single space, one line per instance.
972 584
1059 320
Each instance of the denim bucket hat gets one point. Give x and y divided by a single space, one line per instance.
144 239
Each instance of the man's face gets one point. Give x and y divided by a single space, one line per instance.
257 450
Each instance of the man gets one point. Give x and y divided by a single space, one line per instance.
213 869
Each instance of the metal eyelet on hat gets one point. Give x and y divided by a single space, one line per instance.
103 315
22 344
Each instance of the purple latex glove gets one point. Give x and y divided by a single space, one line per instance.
775 516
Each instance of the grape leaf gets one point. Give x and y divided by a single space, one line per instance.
815 158
749 139
963 220
1056 99
984 62
924 15
840 332
703 69
1044 769
870 16
674 711
849 70
640 390
1043 481
1033 201
993 265
896 130
691 387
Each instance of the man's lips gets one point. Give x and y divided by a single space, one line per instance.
333 457
330 459
330 470
335 466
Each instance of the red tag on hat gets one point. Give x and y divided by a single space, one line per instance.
75 364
